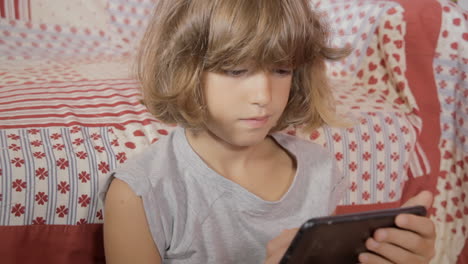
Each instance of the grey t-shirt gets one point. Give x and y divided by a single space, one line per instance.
197 216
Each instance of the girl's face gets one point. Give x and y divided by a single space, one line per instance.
243 104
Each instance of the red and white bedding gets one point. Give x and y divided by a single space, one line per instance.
70 112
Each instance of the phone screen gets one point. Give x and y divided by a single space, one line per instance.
341 238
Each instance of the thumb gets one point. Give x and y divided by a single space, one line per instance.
424 198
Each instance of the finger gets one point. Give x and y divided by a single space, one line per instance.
406 240
369 258
418 224
392 253
424 198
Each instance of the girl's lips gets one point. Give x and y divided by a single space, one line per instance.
256 122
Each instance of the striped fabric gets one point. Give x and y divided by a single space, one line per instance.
86 103
373 154
53 185
15 9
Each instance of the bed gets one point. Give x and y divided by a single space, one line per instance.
70 113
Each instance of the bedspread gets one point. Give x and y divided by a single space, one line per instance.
70 113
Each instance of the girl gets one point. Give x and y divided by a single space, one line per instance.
231 73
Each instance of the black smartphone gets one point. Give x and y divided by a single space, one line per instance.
340 238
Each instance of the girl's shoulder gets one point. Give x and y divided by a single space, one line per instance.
157 163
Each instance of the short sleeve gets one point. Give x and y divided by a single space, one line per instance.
139 185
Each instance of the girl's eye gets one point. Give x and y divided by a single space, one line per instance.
284 72
235 73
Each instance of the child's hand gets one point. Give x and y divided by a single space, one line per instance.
278 246
413 245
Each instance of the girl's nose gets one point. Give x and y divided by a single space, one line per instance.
262 89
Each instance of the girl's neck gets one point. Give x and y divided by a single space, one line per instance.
226 158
